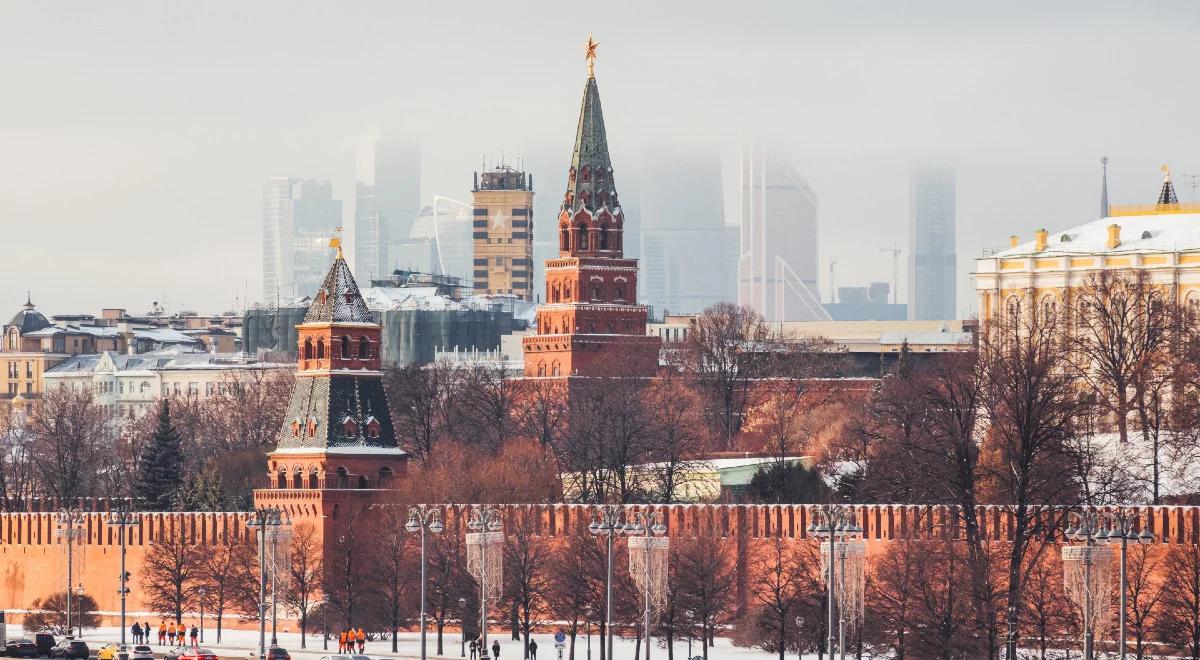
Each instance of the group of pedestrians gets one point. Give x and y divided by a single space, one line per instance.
174 635
349 638
477 648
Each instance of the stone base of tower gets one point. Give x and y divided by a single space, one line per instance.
552 356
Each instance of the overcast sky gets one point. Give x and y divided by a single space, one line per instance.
135 137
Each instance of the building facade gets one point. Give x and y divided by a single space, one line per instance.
502 232
23 360
777 266
591 323
932 258
387 202
299 216
1160 239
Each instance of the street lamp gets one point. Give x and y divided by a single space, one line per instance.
79 592
1095 526
835 524
462 622
590 614
263 518
122 519
70 529
276 534
200 592
647 524
422 519
484 519
606 521
324 604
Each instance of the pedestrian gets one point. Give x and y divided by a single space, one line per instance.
342 641
135 630
495 648
532 649
195 634
162 633
146 633
362 641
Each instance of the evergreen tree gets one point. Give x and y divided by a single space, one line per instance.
160 467
202 490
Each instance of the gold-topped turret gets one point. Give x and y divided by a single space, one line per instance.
590 55
336 242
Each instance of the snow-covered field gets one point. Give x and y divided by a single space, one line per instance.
244 643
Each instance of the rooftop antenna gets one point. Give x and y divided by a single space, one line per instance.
1104 210
1194 180
895 250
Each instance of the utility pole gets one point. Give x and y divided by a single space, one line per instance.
895 251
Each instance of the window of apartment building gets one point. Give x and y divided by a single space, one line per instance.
209 388
12 389
145 386
29 388
176 388
165 390
193 389
29 370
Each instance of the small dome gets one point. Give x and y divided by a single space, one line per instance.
29 319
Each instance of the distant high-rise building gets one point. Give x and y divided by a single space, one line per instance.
387 203
686 247
440 240
932 264
777 267
503 232
299 217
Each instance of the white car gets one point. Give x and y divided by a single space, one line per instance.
141 652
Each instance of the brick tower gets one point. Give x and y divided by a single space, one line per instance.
591 323
337 447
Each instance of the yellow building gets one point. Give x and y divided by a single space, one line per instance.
22 358
503 232
1162 239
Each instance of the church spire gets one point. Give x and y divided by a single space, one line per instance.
1167 197
1104 210
589 181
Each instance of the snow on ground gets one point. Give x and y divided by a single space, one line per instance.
244 643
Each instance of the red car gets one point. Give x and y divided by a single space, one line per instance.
198 654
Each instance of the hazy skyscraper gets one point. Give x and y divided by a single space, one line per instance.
686 247
777 266
299 218
932 266
502 230
388 199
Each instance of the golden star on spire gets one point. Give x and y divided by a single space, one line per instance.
1166 172
590 55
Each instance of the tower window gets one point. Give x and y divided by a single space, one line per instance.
583 237
364 349
321 349
604 238
308 349
350 428
343 478
620 293
385 476
595 293
298 480
312 480
345 342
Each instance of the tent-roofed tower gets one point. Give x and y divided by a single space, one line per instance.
592 323
336 446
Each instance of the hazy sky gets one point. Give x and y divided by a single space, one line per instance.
135 137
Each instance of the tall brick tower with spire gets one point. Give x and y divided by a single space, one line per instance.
591 323
337 447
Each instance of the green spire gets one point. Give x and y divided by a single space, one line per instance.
591 185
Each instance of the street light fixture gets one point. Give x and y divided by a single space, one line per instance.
647 525
79 592
70 529
462 622
263 518
200 592
122 519
422 519
606 522
835 524
484 520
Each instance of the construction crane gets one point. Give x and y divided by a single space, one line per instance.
832 288
895 250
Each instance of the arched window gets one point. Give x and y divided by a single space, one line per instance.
295 428
1013 308
583 237
620 293
1048 308
281 480
321 349
345 341
308 349
312 427
585 174
350 428
541 368
372 427
385 476
313 480
555 293
343 478
364 349
595 292
564 241
554 369
604 238
298 480
608 328
362 481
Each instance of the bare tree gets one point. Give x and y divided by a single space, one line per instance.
527 581
347 583
706 583
17 475
50 615
449 581
787 573
1143 592
892 595
1177 624
224 572
1043 600
486 405
171 573
303 574
676 435
70 443
573 592
543 410
394 568
418 398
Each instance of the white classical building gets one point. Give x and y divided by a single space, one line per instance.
127 385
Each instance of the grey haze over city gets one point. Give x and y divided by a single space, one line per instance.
135 137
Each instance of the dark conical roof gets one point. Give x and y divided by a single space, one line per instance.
1166 196
28 319
338 300
592 186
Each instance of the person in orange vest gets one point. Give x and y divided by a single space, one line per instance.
342 641
362 640
162 633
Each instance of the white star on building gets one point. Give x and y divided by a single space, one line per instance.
499 220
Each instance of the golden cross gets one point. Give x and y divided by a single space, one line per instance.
590 55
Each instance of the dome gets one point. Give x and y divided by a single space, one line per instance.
29 319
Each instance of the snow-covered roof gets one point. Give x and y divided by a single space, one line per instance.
158 335
1166 232
165 360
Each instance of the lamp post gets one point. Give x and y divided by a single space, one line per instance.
122 519
1110 527
200 592
834 523
606 522
647 524
591 614
324 628
79 592
423 519
263 518
484 519
276 534
462 622
70 522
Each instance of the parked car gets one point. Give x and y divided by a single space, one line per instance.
45 644
109 652
141 652
20 648
201 653
278 653
71 648
339 656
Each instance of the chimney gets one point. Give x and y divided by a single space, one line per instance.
1041 237
1013 240
1114 236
